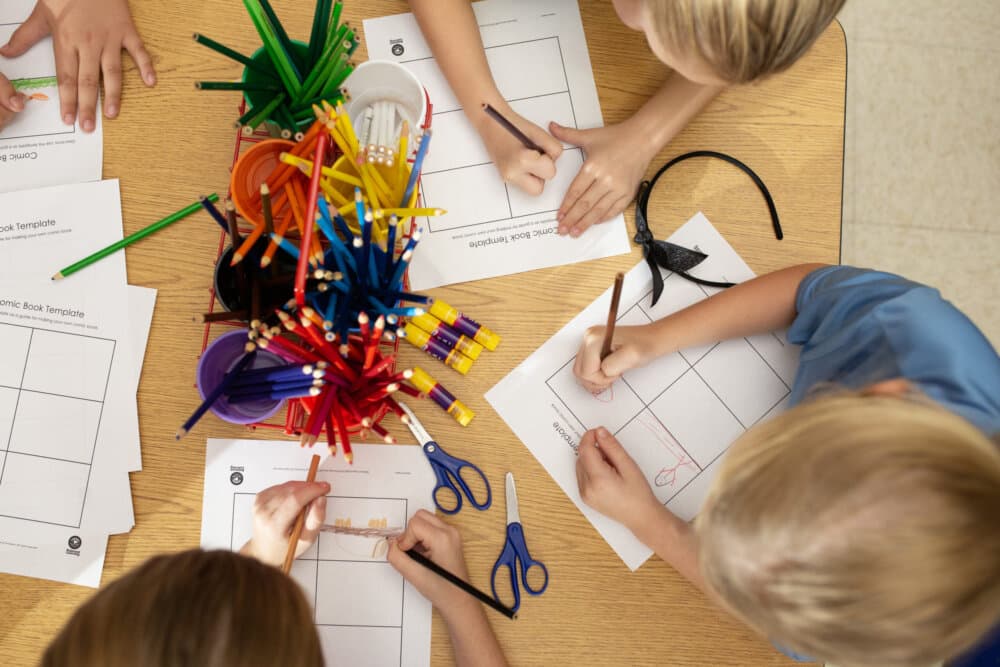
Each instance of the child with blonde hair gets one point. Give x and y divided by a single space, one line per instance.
226 609
709 44
862 526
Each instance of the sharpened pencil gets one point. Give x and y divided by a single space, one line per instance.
609 331
510 127
300 521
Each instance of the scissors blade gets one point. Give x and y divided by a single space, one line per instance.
416 428
513 515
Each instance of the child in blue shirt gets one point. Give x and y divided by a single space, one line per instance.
862 526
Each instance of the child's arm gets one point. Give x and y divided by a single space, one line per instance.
274 513
612 483
618 155
756 306
453 35
89 36
472 639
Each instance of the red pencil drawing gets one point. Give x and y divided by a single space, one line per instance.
667 475
605 396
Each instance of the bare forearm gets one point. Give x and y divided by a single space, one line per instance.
451 31
672 540
472 639
670 109
756 306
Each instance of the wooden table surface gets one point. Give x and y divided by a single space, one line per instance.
173 143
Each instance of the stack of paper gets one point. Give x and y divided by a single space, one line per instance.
70 359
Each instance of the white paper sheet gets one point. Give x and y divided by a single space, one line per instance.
141 302
366 614
676 416
37 148
538 55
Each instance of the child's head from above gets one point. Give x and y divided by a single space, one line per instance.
193 608
859 528
719 42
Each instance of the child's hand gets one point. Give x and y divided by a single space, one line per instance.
612 483
89 36
518 165
630 348
274 513
441 543
11 101
617 157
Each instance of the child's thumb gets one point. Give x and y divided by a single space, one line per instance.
30 32
568 134
611 448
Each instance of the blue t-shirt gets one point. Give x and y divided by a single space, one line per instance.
858 326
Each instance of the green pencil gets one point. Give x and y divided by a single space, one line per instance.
286 70
230 53
132 238
283 39
317 38
236 85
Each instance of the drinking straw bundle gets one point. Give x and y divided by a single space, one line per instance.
286 78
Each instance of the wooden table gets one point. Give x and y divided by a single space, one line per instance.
173 143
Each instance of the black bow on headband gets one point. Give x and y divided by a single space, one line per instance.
671 256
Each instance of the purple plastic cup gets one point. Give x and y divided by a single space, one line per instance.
219 357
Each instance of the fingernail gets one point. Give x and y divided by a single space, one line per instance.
602 432
111 111
559 216
68 119
88 125
561 231
575 232
149 78
17 102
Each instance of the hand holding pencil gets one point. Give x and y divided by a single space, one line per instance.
519 164
275 511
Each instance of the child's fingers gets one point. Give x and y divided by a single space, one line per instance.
612 449
88 88
595 214
590 458
133 44
27 35
620 360
529 183
111 69
579 199
315 517
301 495
553 147
10 99
541 166
67 71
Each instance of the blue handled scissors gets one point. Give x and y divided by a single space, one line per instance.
516 551
448 470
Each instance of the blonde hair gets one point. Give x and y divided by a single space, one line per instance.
742 40
859 529
193 608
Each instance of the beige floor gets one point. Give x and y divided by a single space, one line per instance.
922 163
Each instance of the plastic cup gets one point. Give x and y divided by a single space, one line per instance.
383 80
217 360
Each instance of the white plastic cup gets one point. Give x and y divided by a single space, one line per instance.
383 80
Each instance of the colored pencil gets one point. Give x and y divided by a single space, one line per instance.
609 331
236 85
418 162
131 238
307 235
214 212
510 127
212 396
300 521
461 583
231 224
234 55
317 38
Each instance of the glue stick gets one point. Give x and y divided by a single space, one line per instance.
420 338
454 407
448 335
470 328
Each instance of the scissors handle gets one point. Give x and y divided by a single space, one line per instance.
515 551
448 470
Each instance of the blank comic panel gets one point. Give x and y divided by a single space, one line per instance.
55 426
432 79
612 408
667 466
13 353
567 166
40 489
455 144
359 513
688 501
752 391
377 583
360 647
543 110
304 574
696 418
528 69
476 196
242 519
8 403
70 365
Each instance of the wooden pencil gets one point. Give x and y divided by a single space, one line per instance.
300 521
510 127
609 330
461 583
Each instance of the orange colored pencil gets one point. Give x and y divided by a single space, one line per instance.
300 521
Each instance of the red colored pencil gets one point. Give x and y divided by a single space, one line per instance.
307 236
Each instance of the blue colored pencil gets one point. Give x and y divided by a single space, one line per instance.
275 395
342 227
214 212
273 387
286 245
418 162
217 392
359 207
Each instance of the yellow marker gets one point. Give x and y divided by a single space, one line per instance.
448 335
466 326
432 346
454 407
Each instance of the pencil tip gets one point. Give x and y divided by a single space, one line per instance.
58 276
181 432
349 457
